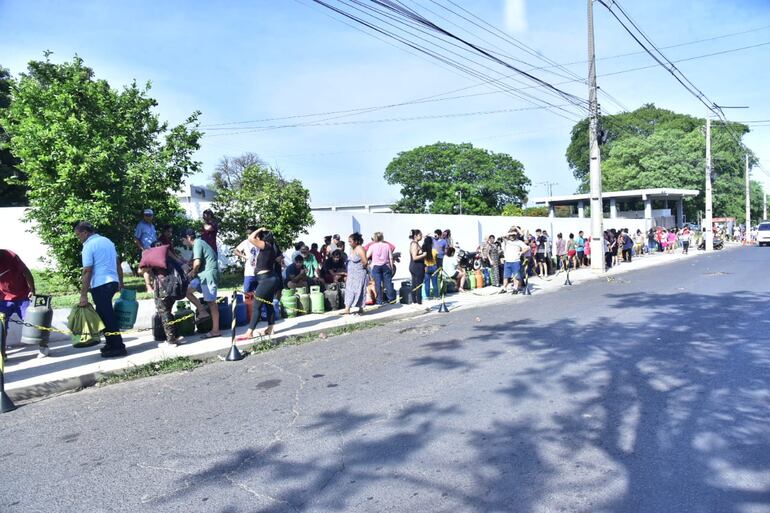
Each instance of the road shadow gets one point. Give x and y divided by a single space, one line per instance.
682 410
668 410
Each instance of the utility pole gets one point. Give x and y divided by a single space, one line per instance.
708 224
748 199
597 210
549 186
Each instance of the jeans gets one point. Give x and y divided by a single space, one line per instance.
626 254
383 279
431 278
102 296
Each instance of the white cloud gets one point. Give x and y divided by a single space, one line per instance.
516 15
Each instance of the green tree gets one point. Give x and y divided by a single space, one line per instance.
11 194
445 178
262 197
651 147
94 153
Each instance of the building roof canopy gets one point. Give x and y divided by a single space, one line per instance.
660 193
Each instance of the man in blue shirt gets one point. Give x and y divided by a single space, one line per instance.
145 234
103 277
440 245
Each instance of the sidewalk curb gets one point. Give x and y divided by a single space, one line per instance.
32 393
35 392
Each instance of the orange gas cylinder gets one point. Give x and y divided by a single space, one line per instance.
479 278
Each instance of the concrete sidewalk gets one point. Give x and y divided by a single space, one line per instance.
68 368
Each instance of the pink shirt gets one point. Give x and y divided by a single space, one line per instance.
379 253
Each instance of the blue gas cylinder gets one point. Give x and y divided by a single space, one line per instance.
225 314
241 311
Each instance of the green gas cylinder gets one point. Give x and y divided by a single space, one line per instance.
206 324
303 298
316 299
126 307
185 327
472 280
289 302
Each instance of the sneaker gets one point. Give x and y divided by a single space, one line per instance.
43 351
110 352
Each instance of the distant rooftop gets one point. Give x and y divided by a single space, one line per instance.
660 193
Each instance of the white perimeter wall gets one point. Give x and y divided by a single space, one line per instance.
469 231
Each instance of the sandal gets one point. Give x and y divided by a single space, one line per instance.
211 335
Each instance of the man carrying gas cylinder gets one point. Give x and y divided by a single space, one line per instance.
17 286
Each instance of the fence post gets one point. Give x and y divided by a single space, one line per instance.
6 404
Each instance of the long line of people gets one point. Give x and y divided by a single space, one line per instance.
365 272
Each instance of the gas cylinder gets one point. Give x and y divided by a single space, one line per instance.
158 333
241 311
405 292
248 299
126 308
39 313
332 297
479 278
303 298
316 299
371 293
472 279
289 303
225 314
487 278
186 327
206 324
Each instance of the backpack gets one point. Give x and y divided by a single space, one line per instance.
174 284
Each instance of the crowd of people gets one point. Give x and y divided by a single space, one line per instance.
365 270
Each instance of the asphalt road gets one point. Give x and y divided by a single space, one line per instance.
649 393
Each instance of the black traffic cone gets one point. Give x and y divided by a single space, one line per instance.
234 355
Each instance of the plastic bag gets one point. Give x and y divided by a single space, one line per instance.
85 325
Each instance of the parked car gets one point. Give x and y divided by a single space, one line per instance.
763 234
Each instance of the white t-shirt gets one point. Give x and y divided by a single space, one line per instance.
513 249
450 265
251 252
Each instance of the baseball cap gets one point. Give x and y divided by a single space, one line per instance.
148 212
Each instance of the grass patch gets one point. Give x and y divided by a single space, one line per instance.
178 364
296 340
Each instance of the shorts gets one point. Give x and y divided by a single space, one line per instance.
540 257
580 252
571 253
511 269
209 290
14 307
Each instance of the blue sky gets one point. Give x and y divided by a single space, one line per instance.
265 59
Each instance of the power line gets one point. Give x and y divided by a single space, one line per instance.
409 16
442 96
385 120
